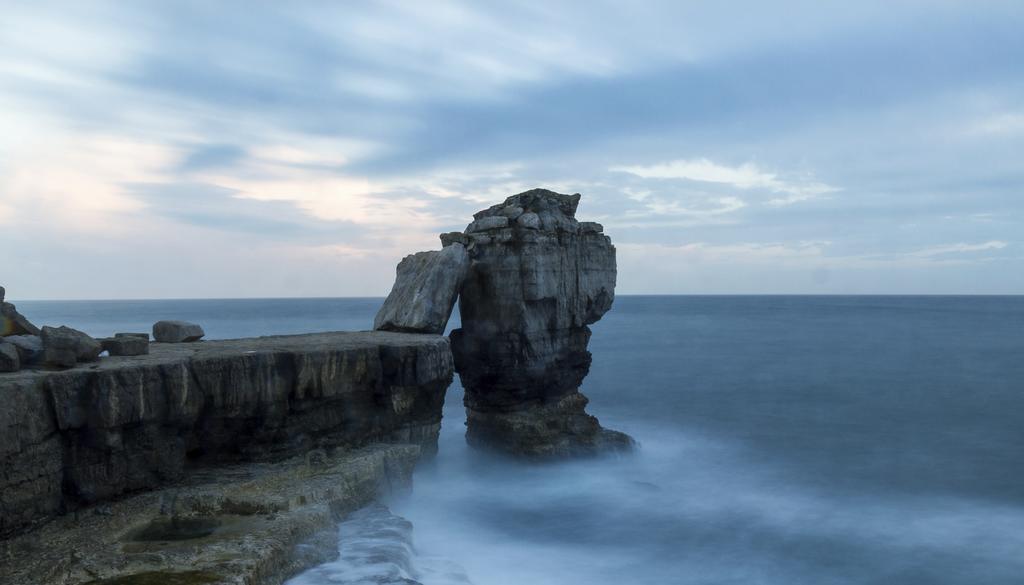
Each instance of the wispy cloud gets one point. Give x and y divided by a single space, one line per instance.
746 176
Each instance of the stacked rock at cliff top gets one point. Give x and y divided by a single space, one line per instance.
177 332
64 347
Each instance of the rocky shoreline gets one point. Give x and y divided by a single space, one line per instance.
126 462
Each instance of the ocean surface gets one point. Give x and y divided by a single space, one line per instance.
785 440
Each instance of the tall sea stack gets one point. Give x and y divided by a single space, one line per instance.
536 279
529 279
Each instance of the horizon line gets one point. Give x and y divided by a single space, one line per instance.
71 300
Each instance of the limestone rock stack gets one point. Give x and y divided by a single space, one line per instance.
537 279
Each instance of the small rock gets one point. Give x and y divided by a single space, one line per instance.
125 345
10 360
30 347
142 335
529 220
177 332
487 223
591 227
59 342
13 323
450 238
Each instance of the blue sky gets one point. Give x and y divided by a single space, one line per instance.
248 149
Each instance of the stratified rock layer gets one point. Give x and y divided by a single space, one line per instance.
536 280
96 431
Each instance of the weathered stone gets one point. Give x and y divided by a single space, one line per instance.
13 323
61 342
591 227
487 223
522 350
126 345
425 290
450 238
511 212
177 332
3 292
92 433
10 360
30 347
529 221
142 335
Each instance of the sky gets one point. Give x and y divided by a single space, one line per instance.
294 149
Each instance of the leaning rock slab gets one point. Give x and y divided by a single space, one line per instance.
177 332
425 291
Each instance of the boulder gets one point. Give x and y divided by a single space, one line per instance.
63 346
13 323
30 347
142 335
126 345
177 332
10 360
426 286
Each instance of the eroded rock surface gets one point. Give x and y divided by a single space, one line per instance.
425 290
99 430
533 287
242 524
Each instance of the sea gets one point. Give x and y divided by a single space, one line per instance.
784 440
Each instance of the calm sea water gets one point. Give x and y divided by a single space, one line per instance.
785 440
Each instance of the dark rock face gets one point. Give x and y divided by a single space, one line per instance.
10 359
63 346
177 332
425 290
91 433
533 287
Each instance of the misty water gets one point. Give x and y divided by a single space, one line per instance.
785 440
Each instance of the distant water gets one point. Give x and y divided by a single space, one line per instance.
786 440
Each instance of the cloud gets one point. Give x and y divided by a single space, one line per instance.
960 248
317 134
745 177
